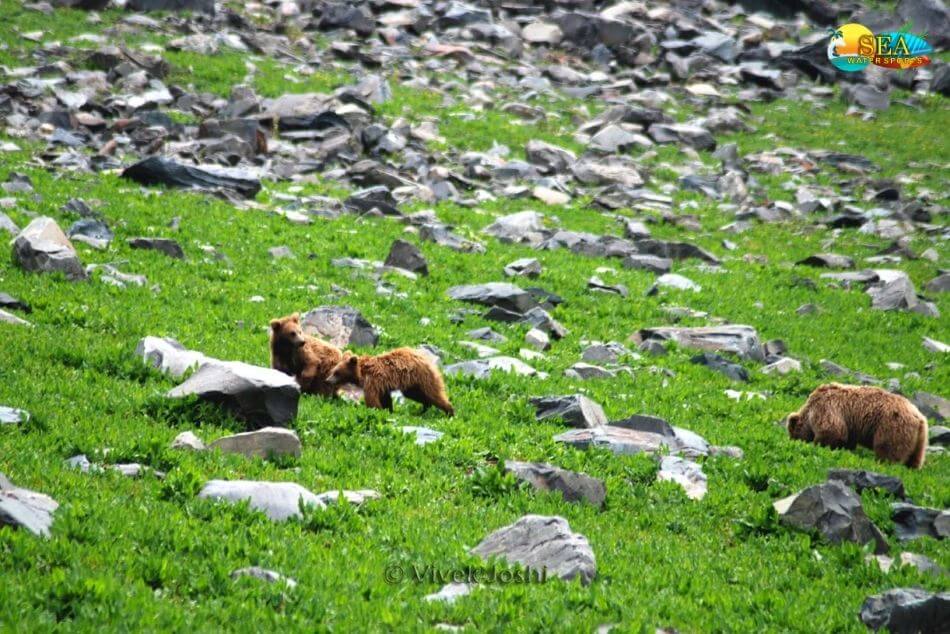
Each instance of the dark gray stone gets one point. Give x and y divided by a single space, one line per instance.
828 260
166 245
722 365
737 339
575 487
912 522
861 480
157 170
500 294
204 6
932 406
575 410
407 256
907 611
340 325
833 510
42 247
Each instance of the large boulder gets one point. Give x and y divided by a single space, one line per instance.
42 247
907 611
833 510
262 443
737 339
168 356
574 486
340 325
542 543
928 16
278 500
27 509
575 409
259 396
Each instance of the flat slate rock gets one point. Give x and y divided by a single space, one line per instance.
538 543
168 356
523 226
22 508
156 170
497 294
262 443
907 611
828 260
616 439
340 325
12 415
42 247
740 340
278 500
574 409
574 486
722 365
12 303
679 440
261 396
685 473
164 245
912 522
525 267
862 480
482 368
423 435
351 497
835 511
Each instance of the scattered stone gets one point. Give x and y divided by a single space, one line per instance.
674 281
574 487
12 415
586 372
722 365
263 443
168 356
449 593
10 318
280 253
42 247
165 245
91 231
156 170
12 303
540 543
576 410
618 440
537 339
355 498
342 326
264 575
604 352
862 480
828 261
187 440
685 473
482 368
937 347
423 435
939 436
498 294
835 511
597 284
525 267
913 522
740 340
728 451
907 611
784 366
932 406
22 508
921 563
278 500
260 396
405 255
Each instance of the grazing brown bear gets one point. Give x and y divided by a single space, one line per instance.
404 369
838 415
305 358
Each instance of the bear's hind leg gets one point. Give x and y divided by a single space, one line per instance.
417 395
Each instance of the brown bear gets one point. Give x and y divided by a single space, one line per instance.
305 358
838 415
404 369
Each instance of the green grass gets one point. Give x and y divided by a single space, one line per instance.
146 554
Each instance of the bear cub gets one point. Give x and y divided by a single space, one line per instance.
306 358
838 416
404 369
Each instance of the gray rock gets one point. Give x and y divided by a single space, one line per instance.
423 435
340 325
204 6
165 245
722 365
939 284
574 487
350 497
586 372
833 510
866 96
42 247
694 136
618 440
674 281
168 356
187 440
650 263
675 250
80 462
8 225
262 443
576 410
449 593
930 16
540 543
91 231
260 396
920 562
486 334
912 522
907 611
22 508
679 440
718 45
407 256
549 157
537 339
524 226
932 406
612 139
500 294
828 260
278 500
862 480
542 320
482 368
597 284
12 415
525 267
784 366
728 451
939 436
937 347
604 352
279 253
685 473
10 302
264 574
740 340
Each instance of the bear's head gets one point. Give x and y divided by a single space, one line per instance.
797 428
287 331
346 371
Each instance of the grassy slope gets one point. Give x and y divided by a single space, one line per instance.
148 555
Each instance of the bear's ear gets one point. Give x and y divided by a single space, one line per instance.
295 317
352 360
274 324
791 422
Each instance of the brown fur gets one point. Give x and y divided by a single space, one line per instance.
846 416
306 358
403 369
